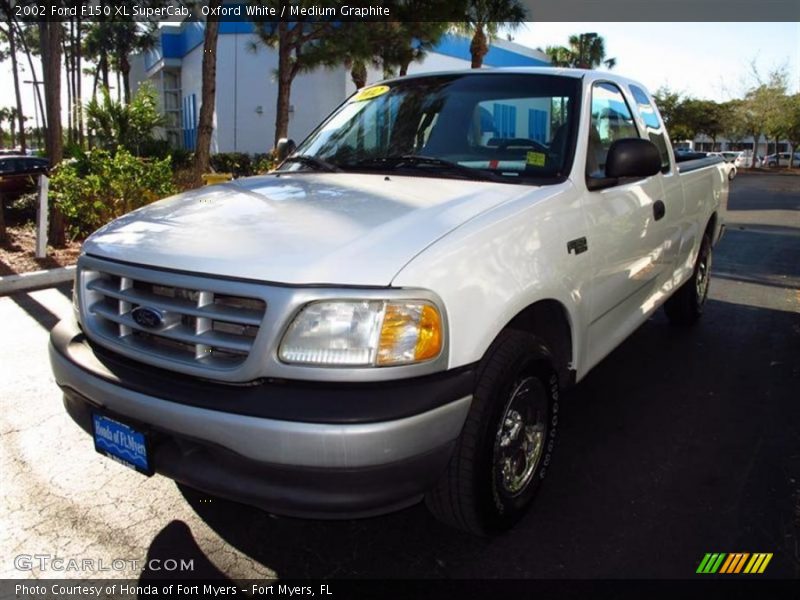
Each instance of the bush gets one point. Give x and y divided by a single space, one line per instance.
129 125
100 186
237 163
241 164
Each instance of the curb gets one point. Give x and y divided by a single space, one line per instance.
35 279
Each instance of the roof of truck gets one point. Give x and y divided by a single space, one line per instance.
589 74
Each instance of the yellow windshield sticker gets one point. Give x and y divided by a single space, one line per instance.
535 159
370 93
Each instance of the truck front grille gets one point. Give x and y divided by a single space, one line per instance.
193 326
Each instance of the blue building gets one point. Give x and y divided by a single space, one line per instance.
244 119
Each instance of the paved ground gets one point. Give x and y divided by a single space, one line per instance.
678 444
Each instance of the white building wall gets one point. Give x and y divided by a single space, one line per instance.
247 91
433 62
314 96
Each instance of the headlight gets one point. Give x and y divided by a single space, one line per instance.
363 333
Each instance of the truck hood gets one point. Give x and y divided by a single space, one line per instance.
304 228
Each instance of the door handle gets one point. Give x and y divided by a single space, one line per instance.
659 210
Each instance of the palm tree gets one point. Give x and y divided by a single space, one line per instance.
585 51
97 46
483 20
13 119
50 43
205 126
4 113
128 37
10 35
559 56
590 50
302 46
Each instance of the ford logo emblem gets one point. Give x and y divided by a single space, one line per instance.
147 317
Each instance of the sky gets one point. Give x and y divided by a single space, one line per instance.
703 60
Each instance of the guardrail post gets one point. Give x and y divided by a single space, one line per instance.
41 217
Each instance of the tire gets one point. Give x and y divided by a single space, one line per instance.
516 393
731 174
685 306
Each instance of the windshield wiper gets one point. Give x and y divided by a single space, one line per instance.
313 162
418 160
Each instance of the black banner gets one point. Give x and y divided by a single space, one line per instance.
415 589
407 10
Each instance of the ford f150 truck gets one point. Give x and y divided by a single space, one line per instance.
392 313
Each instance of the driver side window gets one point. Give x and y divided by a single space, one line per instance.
611 120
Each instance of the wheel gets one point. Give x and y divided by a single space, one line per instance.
506 444
686 305
732 174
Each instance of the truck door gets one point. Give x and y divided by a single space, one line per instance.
625 227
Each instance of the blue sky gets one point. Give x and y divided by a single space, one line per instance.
704 60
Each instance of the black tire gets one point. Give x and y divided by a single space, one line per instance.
473 494
685 306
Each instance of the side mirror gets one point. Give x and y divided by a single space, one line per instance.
632 157
284 148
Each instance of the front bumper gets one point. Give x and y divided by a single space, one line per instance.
291 466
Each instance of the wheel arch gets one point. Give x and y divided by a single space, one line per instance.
549 320
713 228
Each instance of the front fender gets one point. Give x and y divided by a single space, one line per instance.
495 266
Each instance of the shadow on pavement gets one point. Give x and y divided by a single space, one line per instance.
43 315
175 545
46 318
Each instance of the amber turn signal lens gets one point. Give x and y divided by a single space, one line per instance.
411 332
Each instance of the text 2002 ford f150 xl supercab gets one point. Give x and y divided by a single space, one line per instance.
391 314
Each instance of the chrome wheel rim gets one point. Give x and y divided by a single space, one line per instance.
703 273
520 438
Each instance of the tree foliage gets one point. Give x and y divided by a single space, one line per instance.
131 126
101 185
585 51
482 21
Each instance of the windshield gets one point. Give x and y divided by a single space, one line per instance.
503 127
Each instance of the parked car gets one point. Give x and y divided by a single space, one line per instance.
18 174
729 165
737 158
782 160
393 313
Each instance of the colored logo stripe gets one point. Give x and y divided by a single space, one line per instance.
721 562
758 563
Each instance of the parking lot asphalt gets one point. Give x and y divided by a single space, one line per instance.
681 442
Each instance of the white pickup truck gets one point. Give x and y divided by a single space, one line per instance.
392 314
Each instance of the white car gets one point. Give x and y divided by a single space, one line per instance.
393 313
782 160
730 162
737 158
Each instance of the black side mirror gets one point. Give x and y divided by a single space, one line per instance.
632 157
284 148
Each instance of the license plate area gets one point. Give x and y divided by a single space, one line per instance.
122 443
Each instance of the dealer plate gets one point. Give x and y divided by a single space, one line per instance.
121 443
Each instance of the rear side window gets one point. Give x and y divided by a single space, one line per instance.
612 120
655 131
